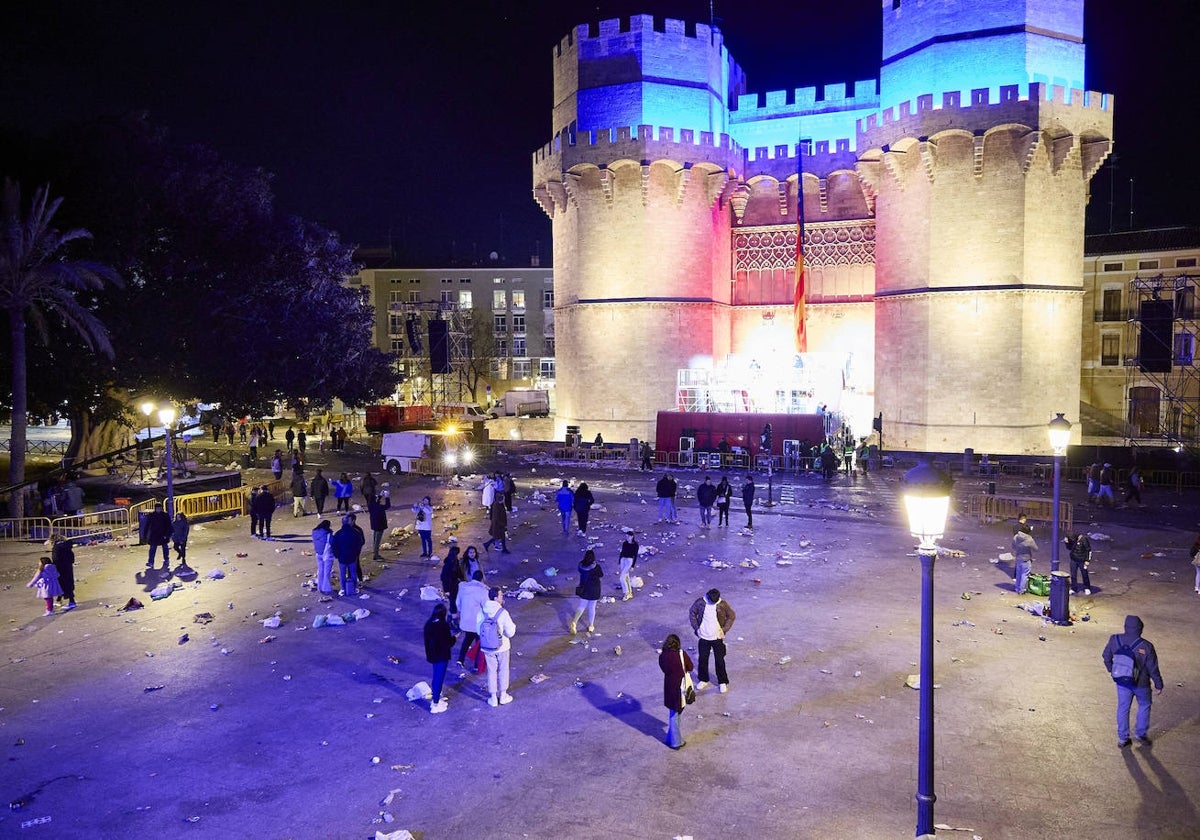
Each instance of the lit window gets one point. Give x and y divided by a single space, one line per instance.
464 299
1185 348
518 299
499 299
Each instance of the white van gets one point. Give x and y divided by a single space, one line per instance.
462 412
400 450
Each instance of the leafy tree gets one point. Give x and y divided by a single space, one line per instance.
476 367
37 285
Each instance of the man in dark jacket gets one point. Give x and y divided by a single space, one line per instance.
266 509
711 618
158 532
347 545
319 488
1133 664
498 528
706 495
748 500
377 508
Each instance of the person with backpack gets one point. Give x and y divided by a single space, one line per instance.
1081 554
1133 664
495 628
424 524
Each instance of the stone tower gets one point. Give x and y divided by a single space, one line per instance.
979 197
637 183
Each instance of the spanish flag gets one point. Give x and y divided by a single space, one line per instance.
798 300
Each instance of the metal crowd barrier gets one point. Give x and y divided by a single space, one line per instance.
998 508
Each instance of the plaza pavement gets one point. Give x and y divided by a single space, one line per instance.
112 727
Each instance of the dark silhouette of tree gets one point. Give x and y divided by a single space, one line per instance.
39 285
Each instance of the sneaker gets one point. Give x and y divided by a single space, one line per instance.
627 598
1123 744
439 707
495 701
571 628
1087 592
1144 740
724 688
459 663
70 606
505 699
703 684
591 629
48 612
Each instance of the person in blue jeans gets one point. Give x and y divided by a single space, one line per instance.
439 641
565 499
1145 673
1023 546
674 663
347 545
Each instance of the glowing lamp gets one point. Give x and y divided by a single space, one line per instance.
1060 433
927 502
166 416
147 409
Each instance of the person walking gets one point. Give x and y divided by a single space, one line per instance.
706 494
582 505
1133 664
266 511
439 641
676 665
495 628
451 576
724 500
322 536
180 529
1080 548
748 490
343 489
1108 478
47 584
647 454
299 493
565 499
1093 482
665 490
468 604
1133 487
277 464
711 619
158 533
424 514
498 526
377 508
369 487
628 559
301 441
63 556
487 494
319 489
588 590
1023 546
347 545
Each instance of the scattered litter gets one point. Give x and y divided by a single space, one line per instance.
131 604
266 640
420 691
966 596
538 678
550 571
203 618
783 562
163 590
217 574
430 593
151 688
272 622
400 834
183 639
914 681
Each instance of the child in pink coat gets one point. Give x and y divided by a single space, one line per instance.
46 581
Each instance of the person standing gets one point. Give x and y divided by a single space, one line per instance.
1023 546
290 438
565 499
301 441
647 454
664 489
1133 487
180 529
495 628
1195 555
1093 482
277 464
424 514
628 558
675 665
1108 478
347 545
472 595
323 552
158 533
343 489
63 557
439 641
319 488
488 494
46 581
252 508
299 493
271 429
1133 664
583 506
73 498
498 526
706 494
724 500
369 487
377 508
711 619
470 563
359 574
588 591
253 446
1080 548
266 510
451 576
748 500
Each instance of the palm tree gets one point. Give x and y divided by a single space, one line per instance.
36 281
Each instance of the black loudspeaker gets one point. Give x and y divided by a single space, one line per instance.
411 327
439 347
1154 343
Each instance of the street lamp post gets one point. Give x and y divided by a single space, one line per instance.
927 502
167 416
1060 437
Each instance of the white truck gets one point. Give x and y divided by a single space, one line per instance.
401 450
526 402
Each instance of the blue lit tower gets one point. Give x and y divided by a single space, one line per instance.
979 163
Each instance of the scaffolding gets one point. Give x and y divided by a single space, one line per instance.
407 321
1162 380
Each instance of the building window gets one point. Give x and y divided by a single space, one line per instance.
447 297
521 368
546 370
1111 310
501 347
1185 262
548 346
414 297
1114 266
1147 265
1185 303
547 298
499 300
519 324
464 279
395 324
497 280
447 280
1110 349
395 297
397 345
1185 348
500 324
414 281
518 300
519 347
464 299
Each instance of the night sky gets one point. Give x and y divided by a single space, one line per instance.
416 126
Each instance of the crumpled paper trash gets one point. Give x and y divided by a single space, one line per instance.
531 585
272 622
215 574
430 593
636 582
162 590
420 691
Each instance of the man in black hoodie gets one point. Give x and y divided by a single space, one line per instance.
1133 664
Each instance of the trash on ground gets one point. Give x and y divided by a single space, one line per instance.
420 691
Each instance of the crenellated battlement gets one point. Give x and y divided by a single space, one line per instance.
672 32
976 111
837 97
640 142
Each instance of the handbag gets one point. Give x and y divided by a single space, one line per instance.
687 686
